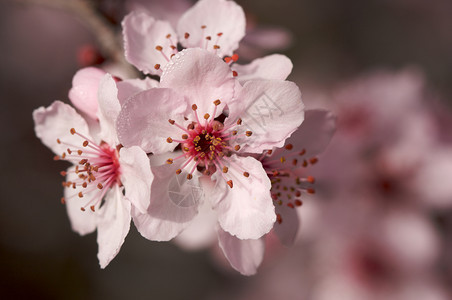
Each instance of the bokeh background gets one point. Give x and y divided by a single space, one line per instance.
380 224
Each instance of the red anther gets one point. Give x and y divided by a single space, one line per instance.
248 133
85 143
189 176
158 48
72 131
63 173
116 78
157 66
216 47
310 191
302 152
225 169
297 193
100 186
237 147
294 162
313 160
290 205
278 218
92 208
169 140
234 73
171 121
289 147
82 208
219 33
168 36
305 163
203 27
235 57
80 194
63 201
58 141
217 102
178 171
310 179
246 174
186 35
229 182
208 38
227 59
298 203
194 107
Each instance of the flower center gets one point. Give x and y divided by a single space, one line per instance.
96 170
208 145
287 184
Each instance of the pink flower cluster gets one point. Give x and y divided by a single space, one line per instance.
205 148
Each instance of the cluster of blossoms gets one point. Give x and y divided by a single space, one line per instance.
209 147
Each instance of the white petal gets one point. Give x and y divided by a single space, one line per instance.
113 225
275 66
174 204
244 255
201 232
271 109
202 78
219 16
82 222
130 87
136 176
246 210
55 122
109 108
142 34
143 120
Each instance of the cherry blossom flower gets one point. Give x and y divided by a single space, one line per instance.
200 106
286 168
102 170
213 25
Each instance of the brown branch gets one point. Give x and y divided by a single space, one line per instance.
110 45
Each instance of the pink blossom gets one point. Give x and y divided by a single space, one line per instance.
213 25
202 107
101 169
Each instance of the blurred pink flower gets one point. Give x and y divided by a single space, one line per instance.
101 170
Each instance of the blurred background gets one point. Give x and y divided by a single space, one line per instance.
380 224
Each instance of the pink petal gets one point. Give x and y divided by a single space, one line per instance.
246 210
244 255
271 109
201 232
136 176
55 122
174 204
274 66
168 10
142 34
82 222
109 108
315 133
287 230
83 93
143 120
202 77
113 225
130 87
219 16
